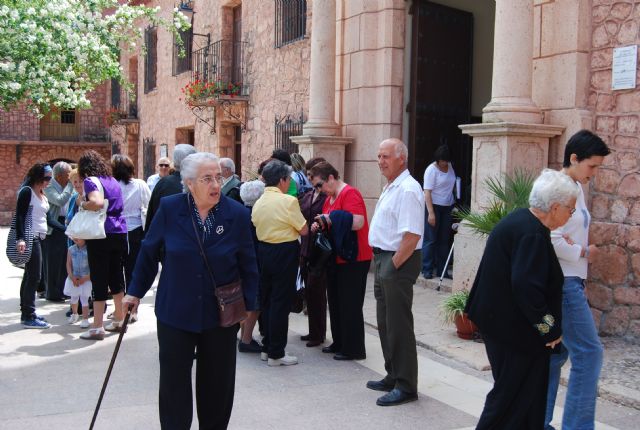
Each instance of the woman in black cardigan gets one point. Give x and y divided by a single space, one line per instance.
516 301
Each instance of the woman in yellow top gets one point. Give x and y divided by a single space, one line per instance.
279 223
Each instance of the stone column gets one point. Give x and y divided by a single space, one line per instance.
322 85
321 134
512 65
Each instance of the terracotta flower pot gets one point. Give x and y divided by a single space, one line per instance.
465 327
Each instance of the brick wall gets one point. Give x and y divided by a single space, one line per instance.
614 285
13 168
21 147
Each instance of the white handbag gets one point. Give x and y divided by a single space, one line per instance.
88 224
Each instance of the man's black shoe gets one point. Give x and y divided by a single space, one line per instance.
329 349
343 357
252 346
396 397
379 386
56 299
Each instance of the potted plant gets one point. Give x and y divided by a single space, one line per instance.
508 195
452 312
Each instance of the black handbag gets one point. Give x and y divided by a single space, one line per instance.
321 253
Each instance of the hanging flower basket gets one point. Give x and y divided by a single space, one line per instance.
201 92
113 115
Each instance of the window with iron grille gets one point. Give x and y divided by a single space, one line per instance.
291 21
151 58
285 128
182 64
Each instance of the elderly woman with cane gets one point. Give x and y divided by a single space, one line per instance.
187 310
516 301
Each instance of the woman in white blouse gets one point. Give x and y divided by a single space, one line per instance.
439 181
583 155
136 195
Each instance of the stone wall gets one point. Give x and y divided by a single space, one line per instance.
370 68
614 287
277 78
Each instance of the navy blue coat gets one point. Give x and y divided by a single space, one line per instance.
185 297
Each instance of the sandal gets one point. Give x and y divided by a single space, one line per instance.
93 334
114 326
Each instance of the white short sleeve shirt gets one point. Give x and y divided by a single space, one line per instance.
400 209
441 184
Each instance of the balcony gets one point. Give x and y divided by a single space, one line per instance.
224 63
124 105
74 126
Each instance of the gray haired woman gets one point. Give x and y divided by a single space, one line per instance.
516 301
186 306
250 192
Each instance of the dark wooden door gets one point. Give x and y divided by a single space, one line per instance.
440 97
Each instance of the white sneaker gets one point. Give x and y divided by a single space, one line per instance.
84 324
287 360
264 356
74 318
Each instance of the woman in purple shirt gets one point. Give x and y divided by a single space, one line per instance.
105 255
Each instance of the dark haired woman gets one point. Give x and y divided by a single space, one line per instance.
583 155
136 195
315 281
439 180
106 255
348 277
32 194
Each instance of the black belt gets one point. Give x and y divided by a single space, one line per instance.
381 251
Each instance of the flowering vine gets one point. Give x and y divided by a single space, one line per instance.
53 52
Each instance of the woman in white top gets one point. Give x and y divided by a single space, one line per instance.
136 195
32 195
439 181
583 155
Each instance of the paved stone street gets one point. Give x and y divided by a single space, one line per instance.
51 379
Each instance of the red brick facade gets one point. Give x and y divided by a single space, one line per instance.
21 145
614 286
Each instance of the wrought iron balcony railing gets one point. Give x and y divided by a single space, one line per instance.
122 102
224 63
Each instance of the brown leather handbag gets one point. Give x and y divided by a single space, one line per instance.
231 307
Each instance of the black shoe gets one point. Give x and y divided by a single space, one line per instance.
329 349
56 299
447 276
252 346
396 397
343 357
380 386
427 276
313 343
41 294
305 337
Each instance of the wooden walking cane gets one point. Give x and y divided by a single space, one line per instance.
123 329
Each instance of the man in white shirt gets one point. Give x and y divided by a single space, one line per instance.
164 168
396 234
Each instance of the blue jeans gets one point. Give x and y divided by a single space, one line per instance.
581 344
435 246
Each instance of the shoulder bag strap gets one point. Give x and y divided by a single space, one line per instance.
197 233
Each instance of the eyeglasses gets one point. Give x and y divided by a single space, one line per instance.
48 178
571 210
318 185
207 180
163 165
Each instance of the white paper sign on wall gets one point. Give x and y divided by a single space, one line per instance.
625 60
